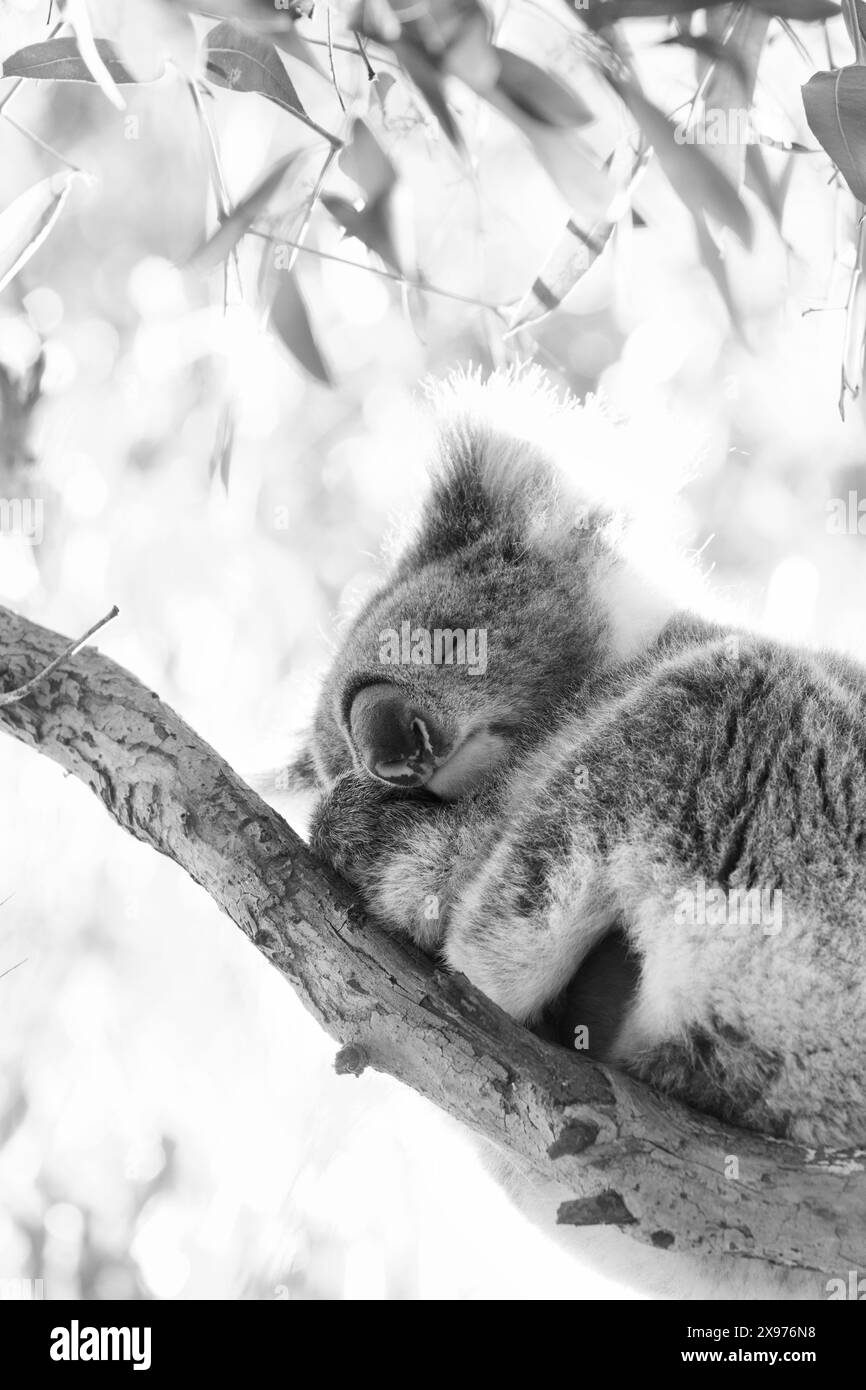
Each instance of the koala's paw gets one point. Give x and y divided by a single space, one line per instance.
353 823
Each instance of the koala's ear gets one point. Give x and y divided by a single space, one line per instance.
461 504
482 481
493 461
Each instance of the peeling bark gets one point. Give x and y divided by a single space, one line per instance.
629 1157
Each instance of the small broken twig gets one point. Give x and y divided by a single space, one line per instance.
13 695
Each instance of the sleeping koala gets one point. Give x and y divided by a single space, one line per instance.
638 832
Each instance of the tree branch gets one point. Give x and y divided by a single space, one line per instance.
628 1156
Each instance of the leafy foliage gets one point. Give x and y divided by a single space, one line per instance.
589 118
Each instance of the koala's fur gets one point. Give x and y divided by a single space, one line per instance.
617 752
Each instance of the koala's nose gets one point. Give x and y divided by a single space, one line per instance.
397 741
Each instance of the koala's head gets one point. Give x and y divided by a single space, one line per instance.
490 620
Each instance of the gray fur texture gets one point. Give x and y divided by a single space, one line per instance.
635 830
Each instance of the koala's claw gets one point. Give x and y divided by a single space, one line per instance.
348 825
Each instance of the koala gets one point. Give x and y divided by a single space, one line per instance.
638 831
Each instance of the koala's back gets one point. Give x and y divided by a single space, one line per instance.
708 804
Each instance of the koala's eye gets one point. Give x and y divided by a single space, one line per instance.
396 740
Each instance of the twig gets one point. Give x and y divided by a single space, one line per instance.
852 388
217 178
422 285
43 145
347 48
267 26
331 63
362 49
310 208
14 967
218 184
713 64
798 43
13 696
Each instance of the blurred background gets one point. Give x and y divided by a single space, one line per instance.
171 1125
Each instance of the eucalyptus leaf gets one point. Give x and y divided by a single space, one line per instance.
27 221
290 320
60 60
835 105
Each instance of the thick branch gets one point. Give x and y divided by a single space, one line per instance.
628 1156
